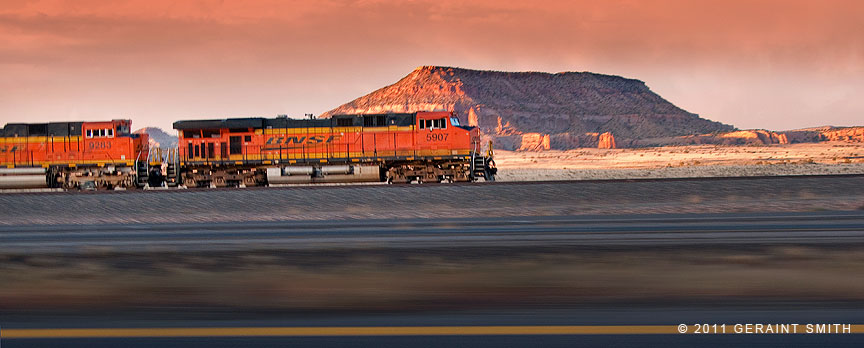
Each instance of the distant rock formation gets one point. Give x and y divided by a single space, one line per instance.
762 137
158 137
741 137
853 134
535 110
606 141
534 142
758 136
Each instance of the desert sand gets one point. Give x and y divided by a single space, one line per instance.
682 162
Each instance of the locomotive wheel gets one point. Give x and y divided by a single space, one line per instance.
189 182
69 185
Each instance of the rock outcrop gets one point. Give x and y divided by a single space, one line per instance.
534 142
535 110
853 134
757 136
826 133
762 137
606 141
741 137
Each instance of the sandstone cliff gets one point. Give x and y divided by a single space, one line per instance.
534 142
536 111
853 134
761 137
606 141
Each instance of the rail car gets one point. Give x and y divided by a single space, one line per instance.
73 155
397 148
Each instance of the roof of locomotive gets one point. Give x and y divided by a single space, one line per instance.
252 122
59 129
54 129
400 119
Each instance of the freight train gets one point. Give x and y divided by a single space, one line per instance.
236 152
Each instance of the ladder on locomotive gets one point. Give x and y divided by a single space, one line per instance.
172 177
149 168
480 163
142 174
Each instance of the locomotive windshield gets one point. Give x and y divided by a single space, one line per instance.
454 121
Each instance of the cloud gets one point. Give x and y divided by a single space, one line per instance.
740 33
207 53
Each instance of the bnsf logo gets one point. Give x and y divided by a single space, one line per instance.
297 142
5 149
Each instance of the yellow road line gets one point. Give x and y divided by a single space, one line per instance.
334 331
349 331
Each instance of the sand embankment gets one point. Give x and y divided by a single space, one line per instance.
682 162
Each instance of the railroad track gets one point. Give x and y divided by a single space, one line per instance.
428 184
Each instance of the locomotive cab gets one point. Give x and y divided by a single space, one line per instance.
434 132
442 133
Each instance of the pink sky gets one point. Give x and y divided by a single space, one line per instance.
754 64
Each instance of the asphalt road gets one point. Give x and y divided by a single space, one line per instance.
609 230
544 328
441 216
547 327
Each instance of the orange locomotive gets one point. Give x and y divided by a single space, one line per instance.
73 154
398 148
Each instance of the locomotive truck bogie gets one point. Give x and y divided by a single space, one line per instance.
222 176
429 172
100 178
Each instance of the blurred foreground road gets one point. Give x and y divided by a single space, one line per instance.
546 325
525 231
604 326
563 264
